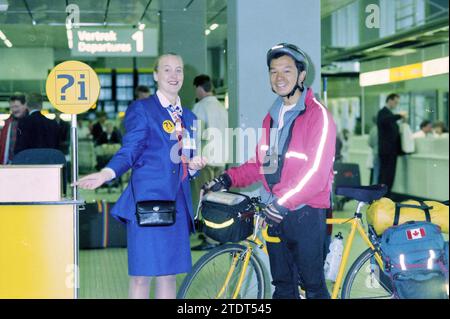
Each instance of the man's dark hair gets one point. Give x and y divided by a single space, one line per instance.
142 89
424 123
392 96
204 81
34 101
18 97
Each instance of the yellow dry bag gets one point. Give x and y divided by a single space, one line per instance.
384 213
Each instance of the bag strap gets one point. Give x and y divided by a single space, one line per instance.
422 206
426 209
285 146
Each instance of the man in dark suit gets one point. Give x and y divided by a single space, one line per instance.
98 128
35 130
64 133
389 146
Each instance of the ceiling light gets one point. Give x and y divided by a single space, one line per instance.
402 52
435 67
213 26
207 31
3 5
374 77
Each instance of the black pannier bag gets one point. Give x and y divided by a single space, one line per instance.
227 216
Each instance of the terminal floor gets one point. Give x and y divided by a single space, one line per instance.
103 272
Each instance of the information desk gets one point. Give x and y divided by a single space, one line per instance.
38 238
424 174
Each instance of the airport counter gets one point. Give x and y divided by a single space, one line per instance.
38 234
422 174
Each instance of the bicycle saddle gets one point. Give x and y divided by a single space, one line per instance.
365 194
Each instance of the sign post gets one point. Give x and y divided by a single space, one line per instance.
73 87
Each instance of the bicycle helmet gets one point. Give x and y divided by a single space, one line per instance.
300 59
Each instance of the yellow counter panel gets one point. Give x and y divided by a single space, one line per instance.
36 258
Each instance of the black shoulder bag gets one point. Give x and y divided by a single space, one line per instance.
154 212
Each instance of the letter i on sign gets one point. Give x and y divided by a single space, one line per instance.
82 85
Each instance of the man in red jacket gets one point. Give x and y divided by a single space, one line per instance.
295 166
8 134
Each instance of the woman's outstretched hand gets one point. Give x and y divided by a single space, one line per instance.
197 163
92 181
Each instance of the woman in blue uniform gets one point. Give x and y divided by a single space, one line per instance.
151 149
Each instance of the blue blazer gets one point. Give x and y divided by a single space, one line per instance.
146 149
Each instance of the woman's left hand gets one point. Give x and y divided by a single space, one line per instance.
197 163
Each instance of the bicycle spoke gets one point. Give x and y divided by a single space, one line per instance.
218 277
365 280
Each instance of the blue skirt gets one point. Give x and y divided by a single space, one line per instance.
161 251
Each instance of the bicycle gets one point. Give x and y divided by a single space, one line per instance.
234 270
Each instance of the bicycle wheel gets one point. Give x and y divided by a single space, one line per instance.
365 280
216 274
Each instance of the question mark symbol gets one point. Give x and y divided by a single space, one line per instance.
70 81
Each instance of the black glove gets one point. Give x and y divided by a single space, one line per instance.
218 183
275 213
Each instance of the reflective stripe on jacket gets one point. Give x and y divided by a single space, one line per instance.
307 172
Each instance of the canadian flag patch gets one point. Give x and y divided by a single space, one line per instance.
415 233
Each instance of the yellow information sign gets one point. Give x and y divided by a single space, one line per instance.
72 87
406 72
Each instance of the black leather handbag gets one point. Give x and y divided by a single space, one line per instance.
155 213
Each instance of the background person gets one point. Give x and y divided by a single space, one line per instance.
8 134
142 92
157 174
374 160
440 129
426 129
64 133
213 118
35 130
111 135
99 127
389 145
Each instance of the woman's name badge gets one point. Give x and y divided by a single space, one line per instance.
168 126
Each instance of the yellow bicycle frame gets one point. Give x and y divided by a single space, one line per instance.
355 226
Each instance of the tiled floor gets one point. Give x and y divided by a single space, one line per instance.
103 272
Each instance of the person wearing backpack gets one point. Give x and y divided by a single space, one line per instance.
296 169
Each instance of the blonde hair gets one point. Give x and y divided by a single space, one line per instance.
158 59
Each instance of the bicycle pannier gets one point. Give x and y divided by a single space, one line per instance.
227 216
385 213
414 258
